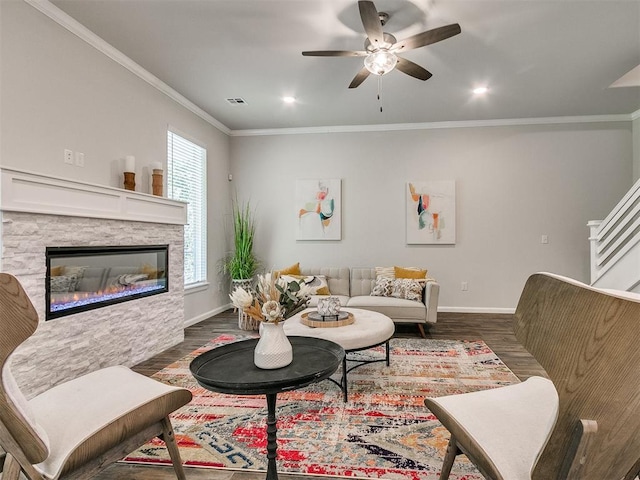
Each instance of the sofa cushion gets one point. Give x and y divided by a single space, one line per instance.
398 309
362 280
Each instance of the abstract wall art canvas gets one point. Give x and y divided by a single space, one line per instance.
318 206
431 212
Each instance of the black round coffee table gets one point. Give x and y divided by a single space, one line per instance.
230 369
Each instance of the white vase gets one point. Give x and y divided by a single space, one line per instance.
273 349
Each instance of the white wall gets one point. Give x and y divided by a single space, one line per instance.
514 184
636 149
58 92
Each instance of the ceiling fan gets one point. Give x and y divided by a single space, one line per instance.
381 49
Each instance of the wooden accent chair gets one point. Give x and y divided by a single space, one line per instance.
583 423
77 427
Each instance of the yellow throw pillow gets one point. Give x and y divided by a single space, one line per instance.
57 271
292 270
151 272
410 273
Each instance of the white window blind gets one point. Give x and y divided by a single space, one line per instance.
186 181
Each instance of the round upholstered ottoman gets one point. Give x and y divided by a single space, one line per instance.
369 329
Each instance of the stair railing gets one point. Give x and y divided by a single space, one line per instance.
615 236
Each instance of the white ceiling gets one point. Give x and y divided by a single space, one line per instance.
539 58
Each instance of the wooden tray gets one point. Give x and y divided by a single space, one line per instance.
310 322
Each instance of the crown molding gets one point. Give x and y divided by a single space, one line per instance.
435 125
75 27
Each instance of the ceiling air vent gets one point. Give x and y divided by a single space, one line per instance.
237 101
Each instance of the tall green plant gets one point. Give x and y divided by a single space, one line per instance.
242 263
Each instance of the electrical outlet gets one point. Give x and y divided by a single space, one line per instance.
219 286
79 159
68 156
464 286
544 239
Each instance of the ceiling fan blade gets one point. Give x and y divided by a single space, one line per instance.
412 69
371 22
359 78
427 38
335 53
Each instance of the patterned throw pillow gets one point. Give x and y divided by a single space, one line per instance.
388 272
78 272
383 287
63 283
319 285
129 279
407 288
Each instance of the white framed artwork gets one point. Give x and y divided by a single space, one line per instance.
318 205
431 212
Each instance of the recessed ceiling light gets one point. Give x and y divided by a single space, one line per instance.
480 90
289 99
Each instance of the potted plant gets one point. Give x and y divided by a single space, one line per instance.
242 264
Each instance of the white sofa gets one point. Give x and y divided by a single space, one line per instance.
353 287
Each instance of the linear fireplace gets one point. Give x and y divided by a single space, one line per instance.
84 278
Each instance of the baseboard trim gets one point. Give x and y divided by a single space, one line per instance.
216 311
476 310
209 314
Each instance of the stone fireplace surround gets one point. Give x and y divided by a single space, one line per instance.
40 211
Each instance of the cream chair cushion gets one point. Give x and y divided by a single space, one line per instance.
77 410
511 424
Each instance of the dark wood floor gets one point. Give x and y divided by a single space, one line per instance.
495 330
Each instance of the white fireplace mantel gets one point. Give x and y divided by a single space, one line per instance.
28 192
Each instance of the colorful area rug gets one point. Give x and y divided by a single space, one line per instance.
383 431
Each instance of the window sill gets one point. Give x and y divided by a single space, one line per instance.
196 287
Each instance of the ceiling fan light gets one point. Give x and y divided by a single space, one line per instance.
380 62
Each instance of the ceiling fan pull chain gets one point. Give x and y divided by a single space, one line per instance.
380 92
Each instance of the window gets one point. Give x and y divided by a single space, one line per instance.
186 181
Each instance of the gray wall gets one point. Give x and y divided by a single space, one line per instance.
58 92
636 149
514 184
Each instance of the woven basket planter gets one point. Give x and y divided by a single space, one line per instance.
245 322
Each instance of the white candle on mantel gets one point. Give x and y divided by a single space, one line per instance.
156 166
129 163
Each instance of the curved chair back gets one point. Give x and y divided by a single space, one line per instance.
18 321
588 341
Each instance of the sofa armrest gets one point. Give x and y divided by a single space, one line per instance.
431 293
